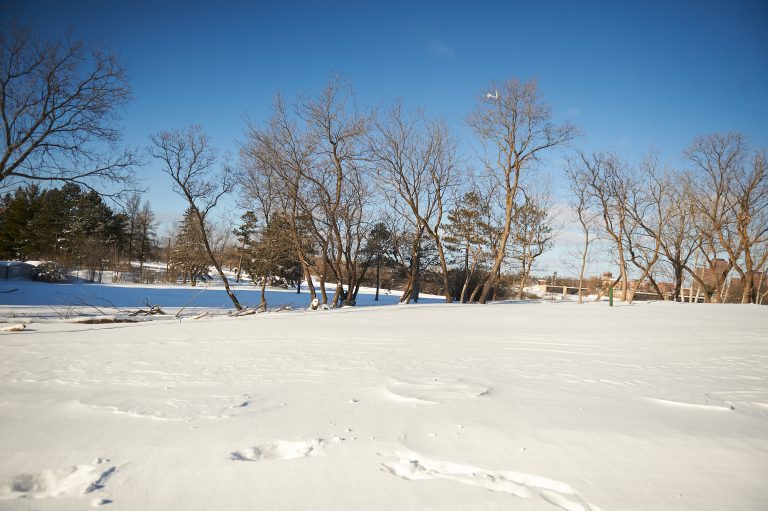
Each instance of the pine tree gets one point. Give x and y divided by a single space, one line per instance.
268 253
467 235
144 234
246 234
64 224
16 213
188 254
378 246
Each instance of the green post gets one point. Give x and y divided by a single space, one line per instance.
610 296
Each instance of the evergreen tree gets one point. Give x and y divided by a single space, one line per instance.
16 213
379 245
144 234
466 235
65 225
188 254
246 234
268 253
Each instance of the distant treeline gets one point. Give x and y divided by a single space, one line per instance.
73 227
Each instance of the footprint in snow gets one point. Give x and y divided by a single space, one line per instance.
413 467
280 450
288 449
70 482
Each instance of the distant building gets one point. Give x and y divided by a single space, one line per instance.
716 272
758 281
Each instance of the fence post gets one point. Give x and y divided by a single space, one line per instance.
610 296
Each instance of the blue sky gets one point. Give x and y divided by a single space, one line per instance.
632 75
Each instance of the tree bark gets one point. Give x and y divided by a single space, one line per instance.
209 251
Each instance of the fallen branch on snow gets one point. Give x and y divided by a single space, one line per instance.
151 311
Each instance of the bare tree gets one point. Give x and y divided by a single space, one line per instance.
515 126
647 211
750 209
677 234
59 103
338 179
581 202
189 159
533 230
716 160
415 161
132 209
280 155
608 182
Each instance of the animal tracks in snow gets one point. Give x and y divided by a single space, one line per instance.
70 482
434 390
413 467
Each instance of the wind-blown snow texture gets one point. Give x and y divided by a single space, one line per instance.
530 406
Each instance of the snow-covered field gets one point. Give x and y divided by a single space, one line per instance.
525 406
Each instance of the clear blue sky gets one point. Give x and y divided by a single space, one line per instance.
631 74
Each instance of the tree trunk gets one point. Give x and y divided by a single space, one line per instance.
490 281
416 282
496 285
321 285
678 271
405 297
209 252
747 282
444 269
463 297
623 273
476 292
338 293
408 292
583 270
263 304
759 293
378 277
323 270
523 279
308 278
655 285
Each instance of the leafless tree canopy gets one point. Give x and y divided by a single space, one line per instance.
415 159
59 105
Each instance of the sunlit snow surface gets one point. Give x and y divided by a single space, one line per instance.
524 406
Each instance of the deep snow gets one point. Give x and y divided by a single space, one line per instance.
506 406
